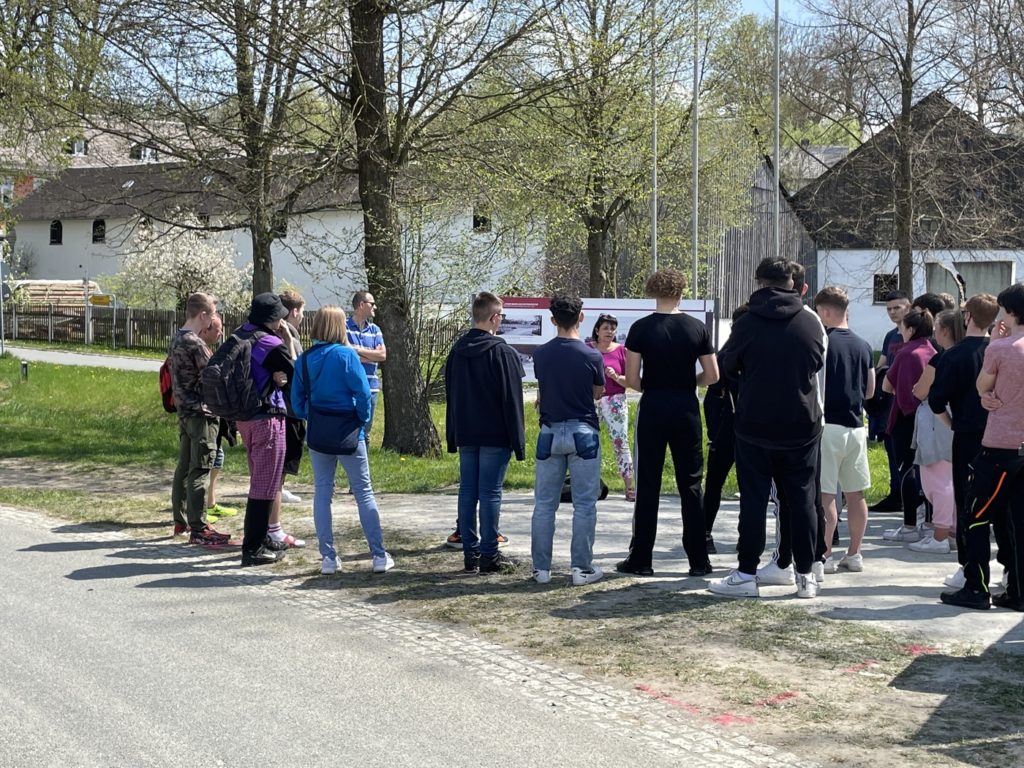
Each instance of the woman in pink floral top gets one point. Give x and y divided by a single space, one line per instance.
613 407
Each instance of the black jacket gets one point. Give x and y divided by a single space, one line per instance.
775 350
484 394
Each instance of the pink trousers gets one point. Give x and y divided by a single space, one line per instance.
937 484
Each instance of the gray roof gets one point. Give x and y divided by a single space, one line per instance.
159 189
806 162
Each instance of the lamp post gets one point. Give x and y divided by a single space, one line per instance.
695 136
654 135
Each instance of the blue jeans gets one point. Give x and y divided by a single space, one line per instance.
576 445
481 475
373 410
357 467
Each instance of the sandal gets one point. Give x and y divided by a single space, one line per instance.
631 495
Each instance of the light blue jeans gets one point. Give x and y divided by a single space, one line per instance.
357 467
577 446
481 476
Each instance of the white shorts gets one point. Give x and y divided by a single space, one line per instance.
844 459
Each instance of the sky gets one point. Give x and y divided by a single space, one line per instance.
766 8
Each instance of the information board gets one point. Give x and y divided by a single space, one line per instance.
527 322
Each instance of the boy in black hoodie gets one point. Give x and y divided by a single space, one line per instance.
484 424
775 350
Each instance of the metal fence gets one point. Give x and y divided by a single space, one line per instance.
127 328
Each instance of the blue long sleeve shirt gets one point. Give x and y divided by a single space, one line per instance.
337 381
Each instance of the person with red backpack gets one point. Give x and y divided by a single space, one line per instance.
197 426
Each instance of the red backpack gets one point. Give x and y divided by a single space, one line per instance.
167 387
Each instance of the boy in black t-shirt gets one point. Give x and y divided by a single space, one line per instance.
849 381
570 377
669 344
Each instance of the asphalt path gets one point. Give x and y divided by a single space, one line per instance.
125 652
60 357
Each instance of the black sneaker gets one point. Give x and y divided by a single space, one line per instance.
701 570
261 556
709 544
471 562
1005 601
274 546
627 567
890 503
500 563
967 598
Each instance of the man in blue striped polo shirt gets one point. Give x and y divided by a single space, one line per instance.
365 336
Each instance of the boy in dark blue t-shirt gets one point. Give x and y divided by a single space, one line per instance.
570 376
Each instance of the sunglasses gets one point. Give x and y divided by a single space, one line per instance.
607 319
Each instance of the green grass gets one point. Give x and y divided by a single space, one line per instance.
99 416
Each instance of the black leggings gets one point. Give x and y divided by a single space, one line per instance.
721 457
910 482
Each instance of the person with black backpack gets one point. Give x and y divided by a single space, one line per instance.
244 382
197 426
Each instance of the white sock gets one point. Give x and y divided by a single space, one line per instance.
276 532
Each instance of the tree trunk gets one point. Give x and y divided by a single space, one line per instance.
904 188
408 427
596 241
262 265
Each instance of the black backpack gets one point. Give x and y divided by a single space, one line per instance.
229 389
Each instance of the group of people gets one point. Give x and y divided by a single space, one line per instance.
786 401
338 371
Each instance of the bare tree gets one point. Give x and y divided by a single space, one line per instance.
889 53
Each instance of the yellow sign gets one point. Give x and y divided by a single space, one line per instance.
101 299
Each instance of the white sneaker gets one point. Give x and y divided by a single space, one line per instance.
772 574
930 544
956 580
902 534
734 585
853 563
581 577
287 497
383 564
330 565
806 585
817 570
542 577
830 565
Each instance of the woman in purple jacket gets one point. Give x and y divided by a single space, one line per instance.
264 435
904 372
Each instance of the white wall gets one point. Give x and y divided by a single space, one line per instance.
854 270
322 255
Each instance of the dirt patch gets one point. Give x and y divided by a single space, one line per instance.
839 693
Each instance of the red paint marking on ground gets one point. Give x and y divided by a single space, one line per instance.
729 719
919 650
671 701
778 699
861 667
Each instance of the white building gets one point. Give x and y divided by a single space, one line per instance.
82 223
968 214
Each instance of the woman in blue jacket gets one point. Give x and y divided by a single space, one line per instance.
337 381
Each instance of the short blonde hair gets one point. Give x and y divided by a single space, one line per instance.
329 325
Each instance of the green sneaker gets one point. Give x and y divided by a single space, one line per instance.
210 517
220 511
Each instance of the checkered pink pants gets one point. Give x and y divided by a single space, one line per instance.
264 446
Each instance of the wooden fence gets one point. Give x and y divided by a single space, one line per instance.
127 328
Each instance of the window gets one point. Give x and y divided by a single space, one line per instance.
76 147
885 228
481 220
929 226
144 152
884 284
56 233
99 230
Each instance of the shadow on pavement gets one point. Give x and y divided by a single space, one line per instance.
978 722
